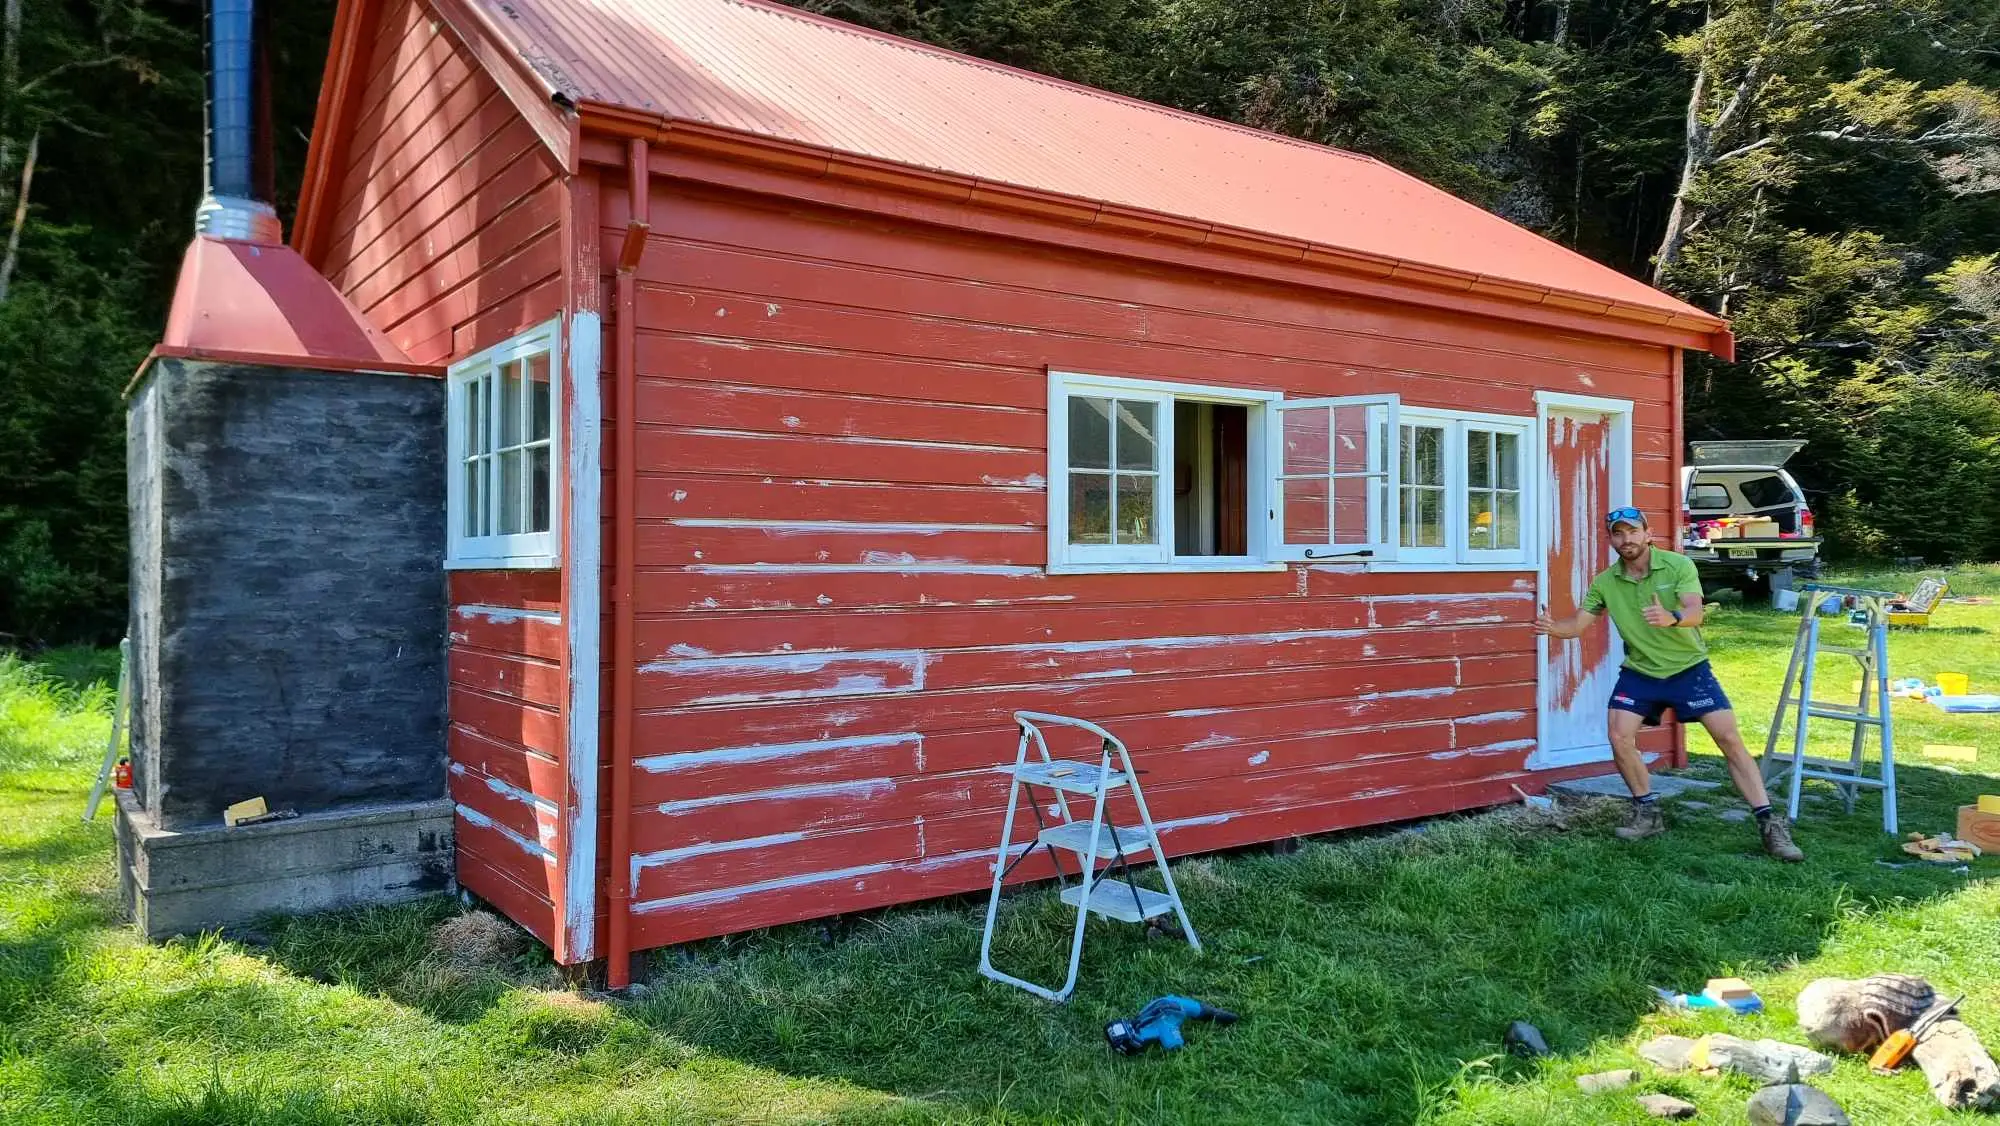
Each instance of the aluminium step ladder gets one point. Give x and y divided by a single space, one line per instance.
1100 893
1871 708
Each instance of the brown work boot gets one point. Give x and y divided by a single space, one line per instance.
1641 821
1777 834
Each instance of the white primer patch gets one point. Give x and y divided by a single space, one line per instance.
725 895
859 569
688 760
583 578
869 788
485 822
504 615
863 527
1260 758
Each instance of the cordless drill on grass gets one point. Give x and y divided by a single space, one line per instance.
1160 1021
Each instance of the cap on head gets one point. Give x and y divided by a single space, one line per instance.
1625 515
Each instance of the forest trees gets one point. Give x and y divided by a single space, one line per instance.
1824 172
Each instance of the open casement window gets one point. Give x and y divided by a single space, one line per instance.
1336 479
1152 475
1463 490
502 455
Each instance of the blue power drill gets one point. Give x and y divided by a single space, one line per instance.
1161 1021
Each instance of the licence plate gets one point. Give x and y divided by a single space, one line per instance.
1742 553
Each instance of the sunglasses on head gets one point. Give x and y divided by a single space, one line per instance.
1624 516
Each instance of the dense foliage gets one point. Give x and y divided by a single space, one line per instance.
1824 172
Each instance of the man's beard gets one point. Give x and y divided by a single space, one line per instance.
1631 550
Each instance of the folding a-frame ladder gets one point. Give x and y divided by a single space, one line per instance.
1101 893
1870 710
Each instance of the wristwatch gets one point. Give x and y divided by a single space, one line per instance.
1677 616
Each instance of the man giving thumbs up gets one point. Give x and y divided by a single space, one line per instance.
1654 598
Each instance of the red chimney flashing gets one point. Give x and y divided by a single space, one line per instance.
261 303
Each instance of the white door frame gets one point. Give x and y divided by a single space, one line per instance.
1618 487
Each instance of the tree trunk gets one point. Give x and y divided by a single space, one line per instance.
20 217
1961 1074
10 81
1698 140
1562 22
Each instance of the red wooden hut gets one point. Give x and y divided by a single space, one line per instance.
816 398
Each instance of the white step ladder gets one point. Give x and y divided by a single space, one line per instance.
1871 708
1100 893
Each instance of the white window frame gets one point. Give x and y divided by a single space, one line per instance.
1090 559
1458 553
524 550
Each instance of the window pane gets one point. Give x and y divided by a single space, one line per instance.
1423 517
1306 510
538 397
538 489
1507 459
475 416
1089 507
1090 434
1137 523
475 496
1350 439
1507 524
1307 434
1424 463
510 493
1479 518
1136 438
1479 459
510 405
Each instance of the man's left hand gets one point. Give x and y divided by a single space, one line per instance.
1657 615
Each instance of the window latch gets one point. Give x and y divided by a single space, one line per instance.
1311 554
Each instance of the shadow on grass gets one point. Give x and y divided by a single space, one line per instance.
1366 970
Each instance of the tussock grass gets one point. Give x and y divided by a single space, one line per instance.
1375 971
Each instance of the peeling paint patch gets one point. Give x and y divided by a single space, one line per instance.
1260 758
474 817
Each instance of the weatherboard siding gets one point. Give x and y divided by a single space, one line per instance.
841 541
445 225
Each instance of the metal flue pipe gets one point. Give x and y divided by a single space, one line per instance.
230 207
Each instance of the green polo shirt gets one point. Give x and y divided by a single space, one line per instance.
1649 649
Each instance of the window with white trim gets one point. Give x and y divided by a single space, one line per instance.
501 411
1152 475
1464 488
1148 475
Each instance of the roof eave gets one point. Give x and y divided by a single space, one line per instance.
1700 330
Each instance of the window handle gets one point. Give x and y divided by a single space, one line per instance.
1311 554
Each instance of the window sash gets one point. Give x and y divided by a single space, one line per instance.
1460 547
1303 479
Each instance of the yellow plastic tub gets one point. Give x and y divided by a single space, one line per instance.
1954 683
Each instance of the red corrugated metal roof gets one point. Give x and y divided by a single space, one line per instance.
249 302
775 72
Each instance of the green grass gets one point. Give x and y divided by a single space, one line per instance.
1375 972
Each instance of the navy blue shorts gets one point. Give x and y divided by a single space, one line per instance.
1692 693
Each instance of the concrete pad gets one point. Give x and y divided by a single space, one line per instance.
186 881
1612 786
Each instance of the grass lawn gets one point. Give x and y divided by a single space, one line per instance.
1375 973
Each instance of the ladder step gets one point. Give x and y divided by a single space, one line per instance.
1849 715
1857 653
1844 779
1113 900
1071 777
1075 836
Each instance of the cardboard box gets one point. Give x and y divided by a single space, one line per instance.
1982 829
1760 529
1951 753
1728 989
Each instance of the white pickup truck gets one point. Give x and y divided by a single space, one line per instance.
1746 481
